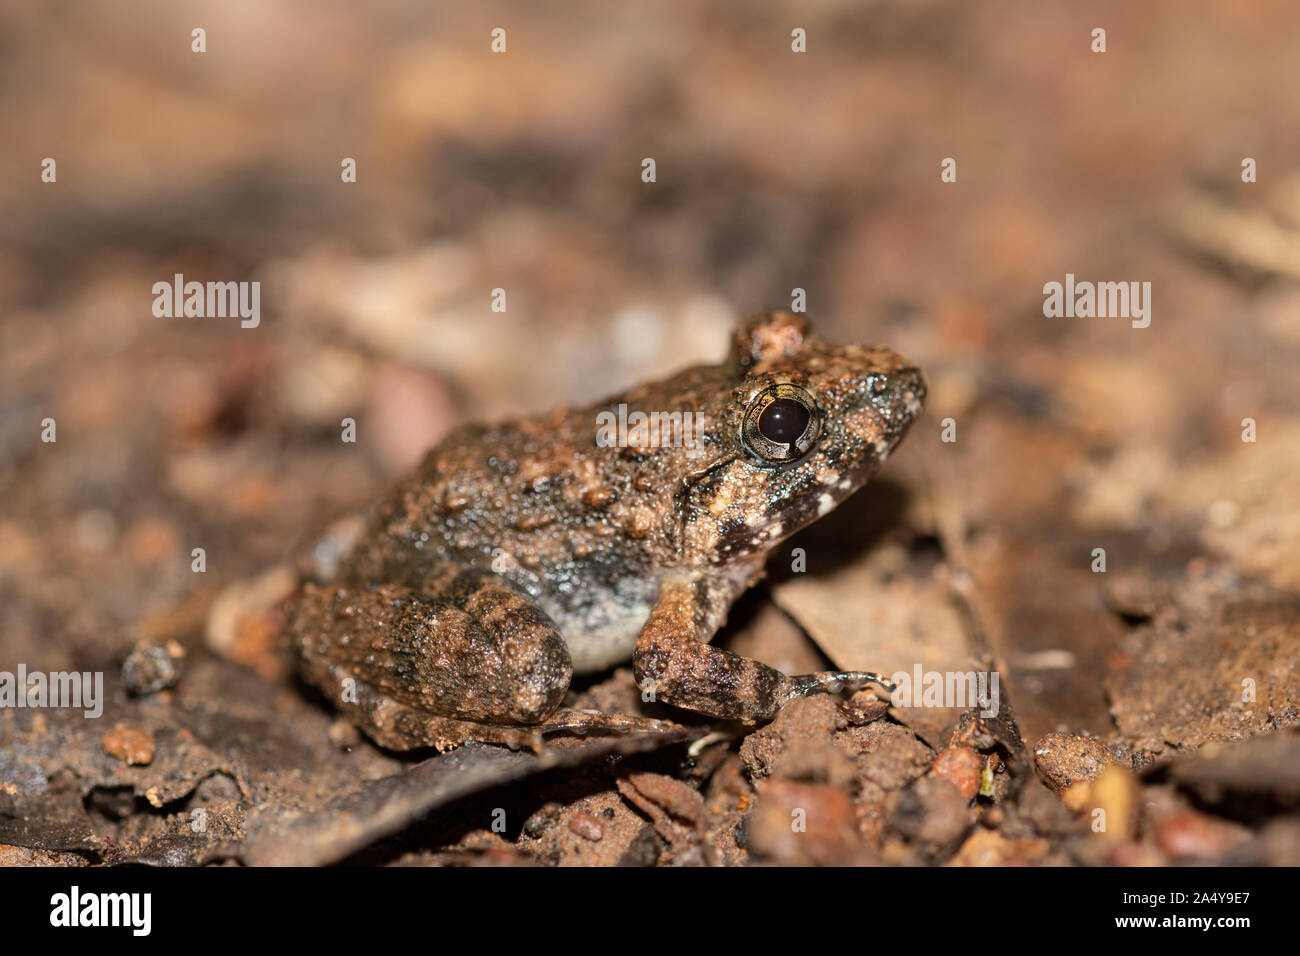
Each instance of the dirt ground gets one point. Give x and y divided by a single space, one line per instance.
1150 711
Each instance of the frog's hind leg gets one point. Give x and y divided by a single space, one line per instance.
462 646
674 662
397 726
587 722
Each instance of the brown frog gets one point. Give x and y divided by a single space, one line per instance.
519 554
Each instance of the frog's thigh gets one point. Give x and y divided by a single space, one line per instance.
462 646
398 726
672 660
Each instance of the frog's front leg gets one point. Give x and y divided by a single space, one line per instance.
458 657
674 662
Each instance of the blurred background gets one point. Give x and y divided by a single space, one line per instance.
775 171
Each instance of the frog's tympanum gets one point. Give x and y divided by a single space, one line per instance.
519 554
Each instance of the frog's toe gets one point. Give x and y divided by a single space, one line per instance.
833 682
585 722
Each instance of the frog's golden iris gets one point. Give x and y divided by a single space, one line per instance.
781 424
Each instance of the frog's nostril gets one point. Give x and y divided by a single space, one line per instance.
912 379
899 391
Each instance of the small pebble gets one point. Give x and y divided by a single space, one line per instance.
587 826
1061 759
962 767
128 744
863 708
151 667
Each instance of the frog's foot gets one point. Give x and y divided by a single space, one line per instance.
586 722
832 682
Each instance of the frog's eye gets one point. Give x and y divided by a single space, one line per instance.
781 423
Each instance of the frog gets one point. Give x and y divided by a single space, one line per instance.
521 553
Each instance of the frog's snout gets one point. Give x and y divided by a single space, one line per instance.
899 394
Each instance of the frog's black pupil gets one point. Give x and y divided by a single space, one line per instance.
783 421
